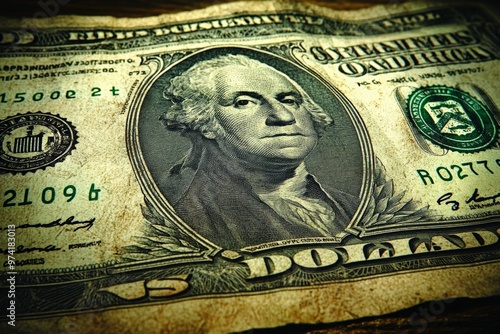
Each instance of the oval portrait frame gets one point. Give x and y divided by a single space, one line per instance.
345 147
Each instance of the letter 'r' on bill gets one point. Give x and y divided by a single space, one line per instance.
281 157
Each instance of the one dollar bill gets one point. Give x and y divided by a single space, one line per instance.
247 166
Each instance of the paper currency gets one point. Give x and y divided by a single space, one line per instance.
247 166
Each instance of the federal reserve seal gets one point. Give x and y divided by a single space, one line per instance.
452 118
33 141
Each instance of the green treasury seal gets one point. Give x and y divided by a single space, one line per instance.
452 118
33 141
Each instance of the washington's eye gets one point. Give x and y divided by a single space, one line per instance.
243 102
290 100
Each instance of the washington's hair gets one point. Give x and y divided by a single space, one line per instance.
191 95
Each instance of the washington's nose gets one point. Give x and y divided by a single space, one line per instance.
279 115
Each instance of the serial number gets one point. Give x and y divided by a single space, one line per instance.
460 172
48 195
54 95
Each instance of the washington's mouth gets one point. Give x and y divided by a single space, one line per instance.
285 135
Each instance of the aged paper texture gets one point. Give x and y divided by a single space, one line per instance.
247 166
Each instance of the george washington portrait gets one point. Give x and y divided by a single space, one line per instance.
242 177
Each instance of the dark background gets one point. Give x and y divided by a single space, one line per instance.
463 315
142 8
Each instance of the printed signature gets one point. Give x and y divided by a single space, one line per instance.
475 201
59 222
476 198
